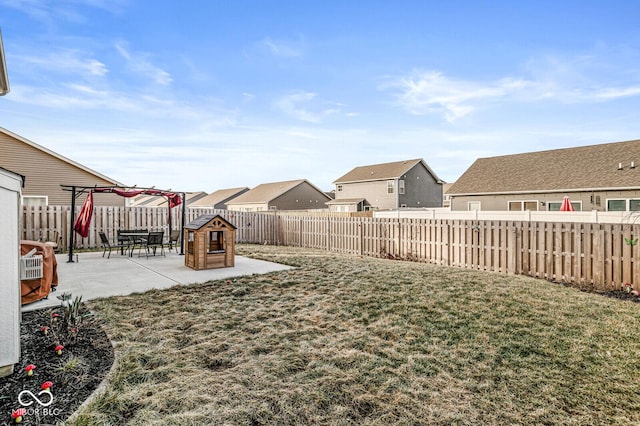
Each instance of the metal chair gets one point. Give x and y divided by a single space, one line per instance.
107 245
173 239
153 241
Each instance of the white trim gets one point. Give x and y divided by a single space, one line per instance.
479 203
544 191
4 77
537 203
626 204
46 198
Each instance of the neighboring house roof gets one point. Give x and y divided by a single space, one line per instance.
189 197
585 168
219 196
157 201
383 171
60 157
268 192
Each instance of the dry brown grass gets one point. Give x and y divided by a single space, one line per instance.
349 340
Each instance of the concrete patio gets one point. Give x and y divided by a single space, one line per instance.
93 276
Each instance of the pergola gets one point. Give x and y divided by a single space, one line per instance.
81 224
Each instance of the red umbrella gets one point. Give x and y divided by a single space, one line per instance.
84 218
566 205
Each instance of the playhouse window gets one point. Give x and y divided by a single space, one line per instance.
216 242
190 241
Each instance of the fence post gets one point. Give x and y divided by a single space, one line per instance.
598 259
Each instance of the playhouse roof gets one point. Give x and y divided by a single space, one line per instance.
201 221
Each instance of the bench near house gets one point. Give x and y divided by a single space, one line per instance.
603 177
399 184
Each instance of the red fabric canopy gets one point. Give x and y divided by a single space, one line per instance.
84 218
81 225
566 205
173 197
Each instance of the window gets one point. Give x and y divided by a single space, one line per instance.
518 206
216 242
339 188
401 186
190 241
34 200
515 206
554 206
389 187
473 205
623 205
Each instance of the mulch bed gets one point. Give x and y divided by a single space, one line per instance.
85 361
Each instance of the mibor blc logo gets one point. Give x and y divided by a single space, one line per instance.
21 398
38 405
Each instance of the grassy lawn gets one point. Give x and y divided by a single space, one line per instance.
349 340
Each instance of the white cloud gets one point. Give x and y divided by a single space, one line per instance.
66 61
432 92
283 49
290 105
141 65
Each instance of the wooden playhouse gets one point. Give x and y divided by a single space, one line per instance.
210 243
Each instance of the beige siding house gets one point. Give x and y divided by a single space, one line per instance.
45 170
289 195
219 198
400 184
155 201
603 177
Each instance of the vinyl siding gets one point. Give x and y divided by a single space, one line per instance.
500 202
301 197
45 173
421 190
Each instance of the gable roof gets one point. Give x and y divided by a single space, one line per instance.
267 192
383 171
569 169
219 196
58 156
201 221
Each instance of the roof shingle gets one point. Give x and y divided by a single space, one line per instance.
581 168
379 171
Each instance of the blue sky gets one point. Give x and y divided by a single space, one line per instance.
205 95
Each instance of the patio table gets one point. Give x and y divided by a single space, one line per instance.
135 238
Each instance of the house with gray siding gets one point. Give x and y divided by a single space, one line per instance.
297 194
399 184
604 177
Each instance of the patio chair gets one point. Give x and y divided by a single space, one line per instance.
151 244
173 239
107 245
52 238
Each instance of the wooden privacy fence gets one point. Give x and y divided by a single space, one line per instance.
594 255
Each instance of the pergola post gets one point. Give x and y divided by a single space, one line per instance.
73 219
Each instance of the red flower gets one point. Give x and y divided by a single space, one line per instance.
59 349
46 386
29 369
44 329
